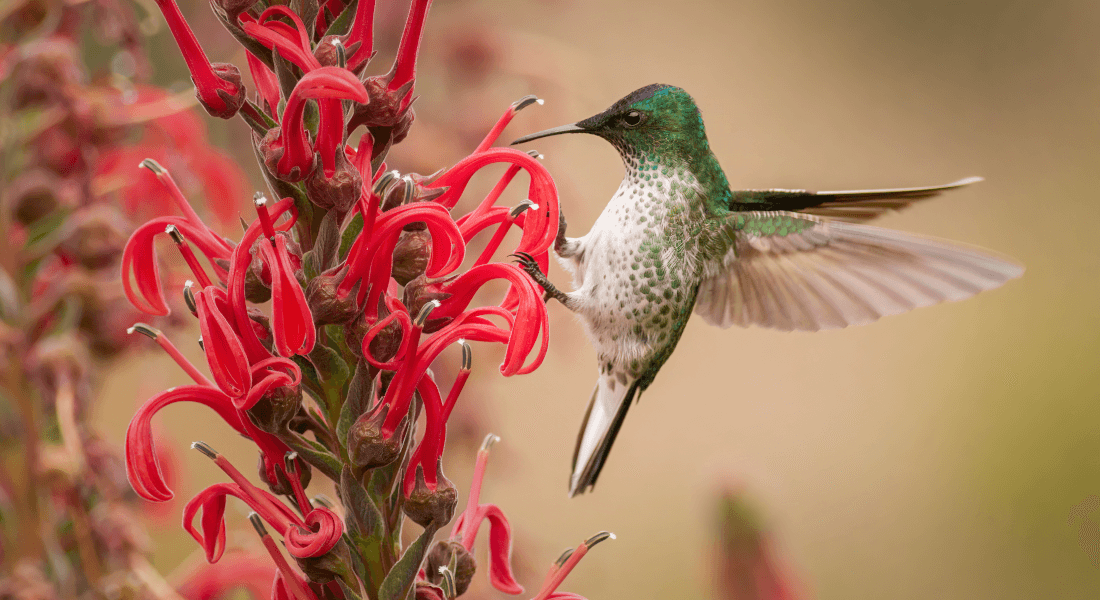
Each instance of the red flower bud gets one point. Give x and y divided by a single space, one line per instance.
368 446
421 291
410 256
274 410
218 86
339 189
326 305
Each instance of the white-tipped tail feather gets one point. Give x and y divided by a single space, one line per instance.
607 409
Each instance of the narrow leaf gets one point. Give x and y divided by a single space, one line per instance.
327 242
357 401
399 581
366 519
341 25
352 231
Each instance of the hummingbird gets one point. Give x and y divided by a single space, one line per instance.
676 239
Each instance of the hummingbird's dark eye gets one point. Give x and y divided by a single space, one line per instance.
633 118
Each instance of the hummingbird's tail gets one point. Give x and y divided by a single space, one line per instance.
611 399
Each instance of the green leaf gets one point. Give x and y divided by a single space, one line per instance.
286 73
341 25
331 369
352 231
399 581
366 519
357 401
349 594
315 454
261 128
307 10
327 242
365 531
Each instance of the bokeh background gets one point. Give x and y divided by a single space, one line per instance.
931 455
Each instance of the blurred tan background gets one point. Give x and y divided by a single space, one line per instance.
932 455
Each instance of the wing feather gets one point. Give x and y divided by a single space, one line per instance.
833 274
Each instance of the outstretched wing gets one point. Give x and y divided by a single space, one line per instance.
852 205
795 272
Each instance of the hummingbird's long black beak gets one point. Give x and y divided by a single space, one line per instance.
549 132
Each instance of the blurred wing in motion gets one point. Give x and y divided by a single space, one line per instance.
853 205
794 272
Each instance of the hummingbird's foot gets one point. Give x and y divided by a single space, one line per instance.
528 264
559 241
563 246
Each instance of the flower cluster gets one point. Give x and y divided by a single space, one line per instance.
321 323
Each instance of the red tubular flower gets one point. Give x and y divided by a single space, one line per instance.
404 66
471 325
224 350
370 259
218 86
531 319
142 468
139 261
500 531
313 535
292 321
287 150
360 39
292 41
266 83
564 565
539 232
504 120
238 268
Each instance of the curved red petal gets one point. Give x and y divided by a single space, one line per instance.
142 468
224 351
500 551
324 529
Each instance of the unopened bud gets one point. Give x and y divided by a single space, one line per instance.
274 410
442 555
429 507
328 566
271 150
339 192
368 446
328 51
420 292
385 343
325 303
411 255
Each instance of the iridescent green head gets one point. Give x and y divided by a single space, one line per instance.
654 123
